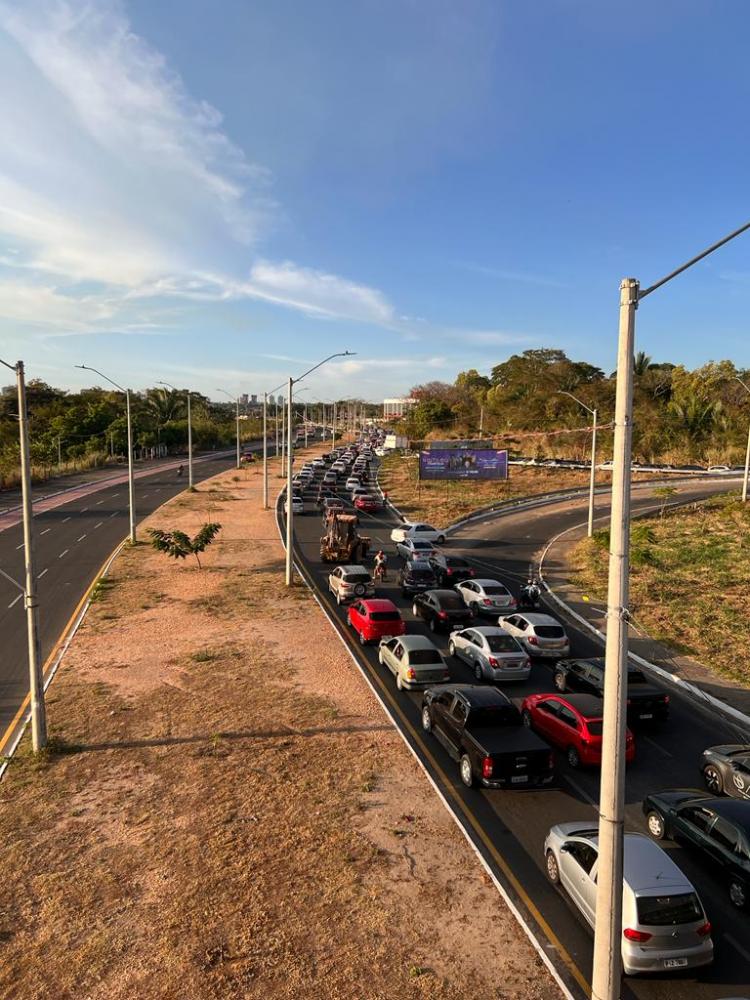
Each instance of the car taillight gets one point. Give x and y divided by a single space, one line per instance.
493 662
666 699
411 674
487 602
442 614
551 761
449 572
704 930
487 767
513 603
532 640
628 737
472 573
640 937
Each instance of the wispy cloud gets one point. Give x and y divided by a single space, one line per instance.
510 275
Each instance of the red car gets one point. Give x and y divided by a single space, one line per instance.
572 722
368 504
375 619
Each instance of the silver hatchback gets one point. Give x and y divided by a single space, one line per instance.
664 924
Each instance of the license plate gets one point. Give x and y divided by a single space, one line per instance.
519 779
675 963
648 715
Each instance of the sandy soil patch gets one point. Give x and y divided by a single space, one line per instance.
224 810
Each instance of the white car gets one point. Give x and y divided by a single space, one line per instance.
297 506
348 583
415 548
424 532
719 468
486 596
353 482
540 635
492 654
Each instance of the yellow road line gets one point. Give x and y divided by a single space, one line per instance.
50 659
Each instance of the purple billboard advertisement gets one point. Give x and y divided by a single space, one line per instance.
463 463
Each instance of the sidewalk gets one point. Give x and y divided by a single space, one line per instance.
556 569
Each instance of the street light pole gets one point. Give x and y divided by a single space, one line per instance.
592 478
190 432
608 929
747 450
265 441
333 427
131 474
31 603
236 400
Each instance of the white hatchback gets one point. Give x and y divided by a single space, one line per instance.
486 596
423 532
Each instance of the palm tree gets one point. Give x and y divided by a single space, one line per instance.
695 417
641 364
164 404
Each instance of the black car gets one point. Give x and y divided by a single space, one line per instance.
481 728
718 828
415 577
325 493
441 609
646 702
450 569
726 770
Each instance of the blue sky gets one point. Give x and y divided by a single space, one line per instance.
221 193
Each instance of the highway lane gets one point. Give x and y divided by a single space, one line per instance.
73 541
516 822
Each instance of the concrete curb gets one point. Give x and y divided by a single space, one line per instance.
537 945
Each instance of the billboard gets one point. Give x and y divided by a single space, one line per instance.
463 463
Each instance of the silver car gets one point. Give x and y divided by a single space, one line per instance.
486 596
491 652
540 635
412 548
349 582
414 659
664 923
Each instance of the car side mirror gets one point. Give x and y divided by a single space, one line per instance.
565 849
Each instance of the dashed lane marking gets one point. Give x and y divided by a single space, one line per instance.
64 520
63 553
15 600
98 525
19 546
80 539
45 531
42 573
99 502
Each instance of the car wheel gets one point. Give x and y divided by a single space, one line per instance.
655 824
559 681
415 610
433 625
474 608
467 774
738 894
426 720
713 779
451 648
404 594
478 670
399 682
573 757
440 539
526 718
362 639
550 864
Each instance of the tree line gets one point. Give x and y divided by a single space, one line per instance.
679 416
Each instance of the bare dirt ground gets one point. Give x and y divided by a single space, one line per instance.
224 810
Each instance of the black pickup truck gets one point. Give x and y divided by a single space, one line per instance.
646 702
481 728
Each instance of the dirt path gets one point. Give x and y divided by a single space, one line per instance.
225 811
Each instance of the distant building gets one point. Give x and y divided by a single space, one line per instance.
253 399
397 407
243 399
280 400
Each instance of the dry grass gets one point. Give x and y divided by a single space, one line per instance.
692 592
223 812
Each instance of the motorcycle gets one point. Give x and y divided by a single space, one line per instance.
531 596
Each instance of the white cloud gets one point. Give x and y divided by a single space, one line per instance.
45 306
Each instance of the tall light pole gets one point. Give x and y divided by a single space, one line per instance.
190 432
608 930
131 476
747 450
236 401
31 603
289 513
592 480
265 440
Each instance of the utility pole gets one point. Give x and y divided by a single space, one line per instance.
592 477
289 509
265 451
283 434
333 427
236 400
276 423
31 603
190 443
304 417
747 450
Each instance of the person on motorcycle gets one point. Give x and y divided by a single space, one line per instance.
381 565
531 593
180 471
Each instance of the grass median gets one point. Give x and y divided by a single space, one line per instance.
689 580
224 812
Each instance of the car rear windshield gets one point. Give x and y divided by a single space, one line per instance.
495 589
549 631
423 656
502 644
637 677
664 911
357 577
418 544
595 727
488 717
422 574
451 602
456 562
385 616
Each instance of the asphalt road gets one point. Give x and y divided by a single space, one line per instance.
73 540
509 827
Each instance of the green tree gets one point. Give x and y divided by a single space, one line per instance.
178 545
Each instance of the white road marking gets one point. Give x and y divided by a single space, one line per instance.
15 600
656 746
737 946
63 553
99 502
115 494
45 531
19 546
84 509
114 513
42 573
64 520
581 791
98 525
143 496
81 538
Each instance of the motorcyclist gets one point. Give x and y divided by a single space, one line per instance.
180 471
530 593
